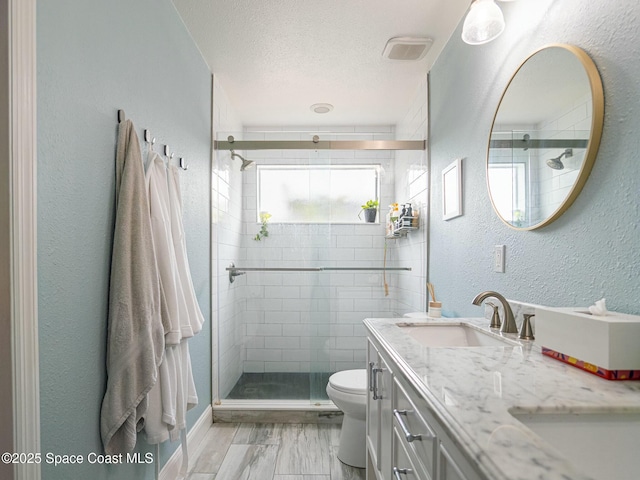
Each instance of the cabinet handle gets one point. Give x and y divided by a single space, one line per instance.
398 414
376 371
401 471
371 380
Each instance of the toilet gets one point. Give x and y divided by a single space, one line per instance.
348 390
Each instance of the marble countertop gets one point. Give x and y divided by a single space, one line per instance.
473 390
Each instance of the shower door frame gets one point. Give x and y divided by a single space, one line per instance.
315 144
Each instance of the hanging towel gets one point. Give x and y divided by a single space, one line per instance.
135 343
175 391
161 415
160 212
191 324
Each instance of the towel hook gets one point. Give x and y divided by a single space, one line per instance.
183 164
166 152
149 139
121 116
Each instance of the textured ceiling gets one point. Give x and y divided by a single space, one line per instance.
276 58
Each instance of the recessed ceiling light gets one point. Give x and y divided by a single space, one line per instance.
321 107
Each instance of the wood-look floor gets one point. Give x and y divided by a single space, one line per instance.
250 451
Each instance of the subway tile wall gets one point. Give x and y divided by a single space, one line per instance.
412 185
228 300
312 321
555 185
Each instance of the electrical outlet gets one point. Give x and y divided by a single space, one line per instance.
498 258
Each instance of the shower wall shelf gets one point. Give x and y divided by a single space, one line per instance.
236 271
401 232
400 228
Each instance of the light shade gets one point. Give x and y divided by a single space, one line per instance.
484 22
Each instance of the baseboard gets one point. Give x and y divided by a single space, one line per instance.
171 469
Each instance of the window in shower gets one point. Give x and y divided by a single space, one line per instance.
316 193
510 198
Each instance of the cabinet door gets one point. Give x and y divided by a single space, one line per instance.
449 469
373 409
403 468
379 415
419 437
385 399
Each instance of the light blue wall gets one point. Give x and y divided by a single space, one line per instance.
593 250
95 57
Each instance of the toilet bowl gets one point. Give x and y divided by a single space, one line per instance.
348 390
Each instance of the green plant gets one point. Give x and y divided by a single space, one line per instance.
264 232
368 205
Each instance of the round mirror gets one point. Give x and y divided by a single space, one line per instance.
545 136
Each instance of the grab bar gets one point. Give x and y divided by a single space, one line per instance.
236 271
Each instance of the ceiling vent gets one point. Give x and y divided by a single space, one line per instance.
407 48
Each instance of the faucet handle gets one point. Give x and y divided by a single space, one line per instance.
526 332
495 318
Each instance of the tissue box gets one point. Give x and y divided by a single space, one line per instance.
607 346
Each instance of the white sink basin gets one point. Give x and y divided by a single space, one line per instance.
453 335
602 445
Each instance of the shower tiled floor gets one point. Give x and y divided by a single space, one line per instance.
280 386
248 451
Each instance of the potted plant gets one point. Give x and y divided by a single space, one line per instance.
264 231
370 209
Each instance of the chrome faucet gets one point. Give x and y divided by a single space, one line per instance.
509 324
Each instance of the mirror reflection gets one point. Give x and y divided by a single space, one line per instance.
543 142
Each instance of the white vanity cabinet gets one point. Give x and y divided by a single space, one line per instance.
405 439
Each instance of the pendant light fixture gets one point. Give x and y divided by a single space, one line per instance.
483 23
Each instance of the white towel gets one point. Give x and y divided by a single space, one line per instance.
160 211
191 324
175 392
135 342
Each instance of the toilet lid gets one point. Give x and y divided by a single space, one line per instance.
350 381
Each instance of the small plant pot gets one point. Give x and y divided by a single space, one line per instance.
370 215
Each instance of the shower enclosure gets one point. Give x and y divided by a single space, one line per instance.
298 270
531 171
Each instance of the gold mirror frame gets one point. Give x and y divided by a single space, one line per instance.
597 120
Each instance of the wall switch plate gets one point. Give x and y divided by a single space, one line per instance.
498 258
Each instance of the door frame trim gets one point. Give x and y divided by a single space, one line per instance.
23 227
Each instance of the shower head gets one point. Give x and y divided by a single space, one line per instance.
556 163
245 163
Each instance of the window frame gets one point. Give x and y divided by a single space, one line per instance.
376 167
